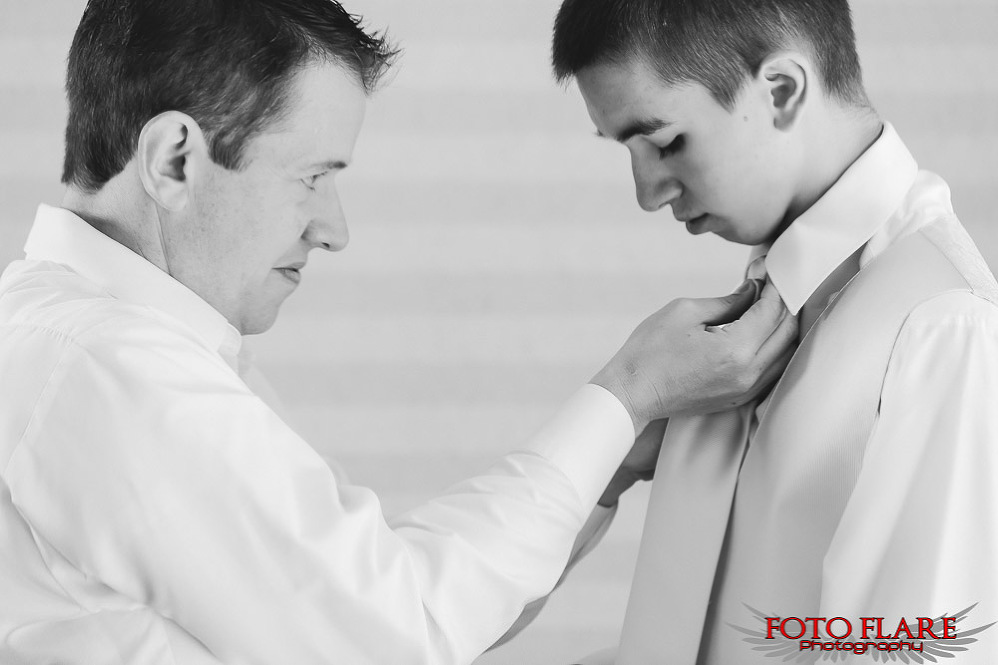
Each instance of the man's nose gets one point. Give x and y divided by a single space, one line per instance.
328 227
655 186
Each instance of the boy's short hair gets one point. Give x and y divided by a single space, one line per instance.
226 63
716 43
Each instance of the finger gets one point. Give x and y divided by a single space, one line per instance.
654 430
775 370
782 338
773 356
716 311
768 378
761 319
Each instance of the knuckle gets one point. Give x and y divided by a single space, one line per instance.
727 361
742 357
770 309
746 381
681 305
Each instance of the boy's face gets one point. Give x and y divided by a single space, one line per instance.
726 172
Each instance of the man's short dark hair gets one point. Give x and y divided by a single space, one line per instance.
716 43
226 63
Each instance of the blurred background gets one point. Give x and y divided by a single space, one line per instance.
498 256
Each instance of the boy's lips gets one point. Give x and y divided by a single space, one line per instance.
696 225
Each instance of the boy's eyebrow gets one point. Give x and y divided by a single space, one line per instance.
638 128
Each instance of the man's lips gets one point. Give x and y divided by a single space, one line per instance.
292 272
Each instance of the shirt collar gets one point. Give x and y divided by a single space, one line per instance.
841 221
60 236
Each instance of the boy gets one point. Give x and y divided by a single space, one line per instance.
861 485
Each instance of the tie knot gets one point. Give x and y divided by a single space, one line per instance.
757 268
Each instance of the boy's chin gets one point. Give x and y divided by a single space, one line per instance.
745 235
740 237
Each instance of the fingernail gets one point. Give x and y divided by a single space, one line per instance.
745 287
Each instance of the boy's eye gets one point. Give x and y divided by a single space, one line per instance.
673 147
310 181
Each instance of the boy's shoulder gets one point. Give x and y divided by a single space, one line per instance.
951 239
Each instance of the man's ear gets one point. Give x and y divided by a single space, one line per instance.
785 78
171 148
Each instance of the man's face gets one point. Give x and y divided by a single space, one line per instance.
250 230
724 172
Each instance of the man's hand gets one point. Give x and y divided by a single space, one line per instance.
698 356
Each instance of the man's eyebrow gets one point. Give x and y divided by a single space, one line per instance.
330 165
638 128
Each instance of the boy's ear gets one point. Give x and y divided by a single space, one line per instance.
170 153
785 78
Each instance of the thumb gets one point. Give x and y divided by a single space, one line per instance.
767 312
725 309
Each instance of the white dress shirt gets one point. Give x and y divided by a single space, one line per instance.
155 511
918 535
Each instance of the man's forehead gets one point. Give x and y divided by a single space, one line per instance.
321 119
326 93
298 151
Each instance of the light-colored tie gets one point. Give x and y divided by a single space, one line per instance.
687 518
688 513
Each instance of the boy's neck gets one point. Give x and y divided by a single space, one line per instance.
836 141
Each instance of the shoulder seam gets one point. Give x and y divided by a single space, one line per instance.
71 347
969 291
979 287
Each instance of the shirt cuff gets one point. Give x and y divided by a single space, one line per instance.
587 439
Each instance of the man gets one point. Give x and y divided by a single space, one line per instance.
154 509
862 485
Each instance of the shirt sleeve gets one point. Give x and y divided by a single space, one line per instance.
589 537
150 466
919 537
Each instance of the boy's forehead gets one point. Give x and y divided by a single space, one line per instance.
621 94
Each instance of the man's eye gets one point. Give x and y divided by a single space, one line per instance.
673 147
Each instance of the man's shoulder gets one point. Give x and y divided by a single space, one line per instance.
51 319
40 299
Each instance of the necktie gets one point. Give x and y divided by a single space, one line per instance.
688 513
687 519
684 529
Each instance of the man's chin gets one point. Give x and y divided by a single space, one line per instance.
261 320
